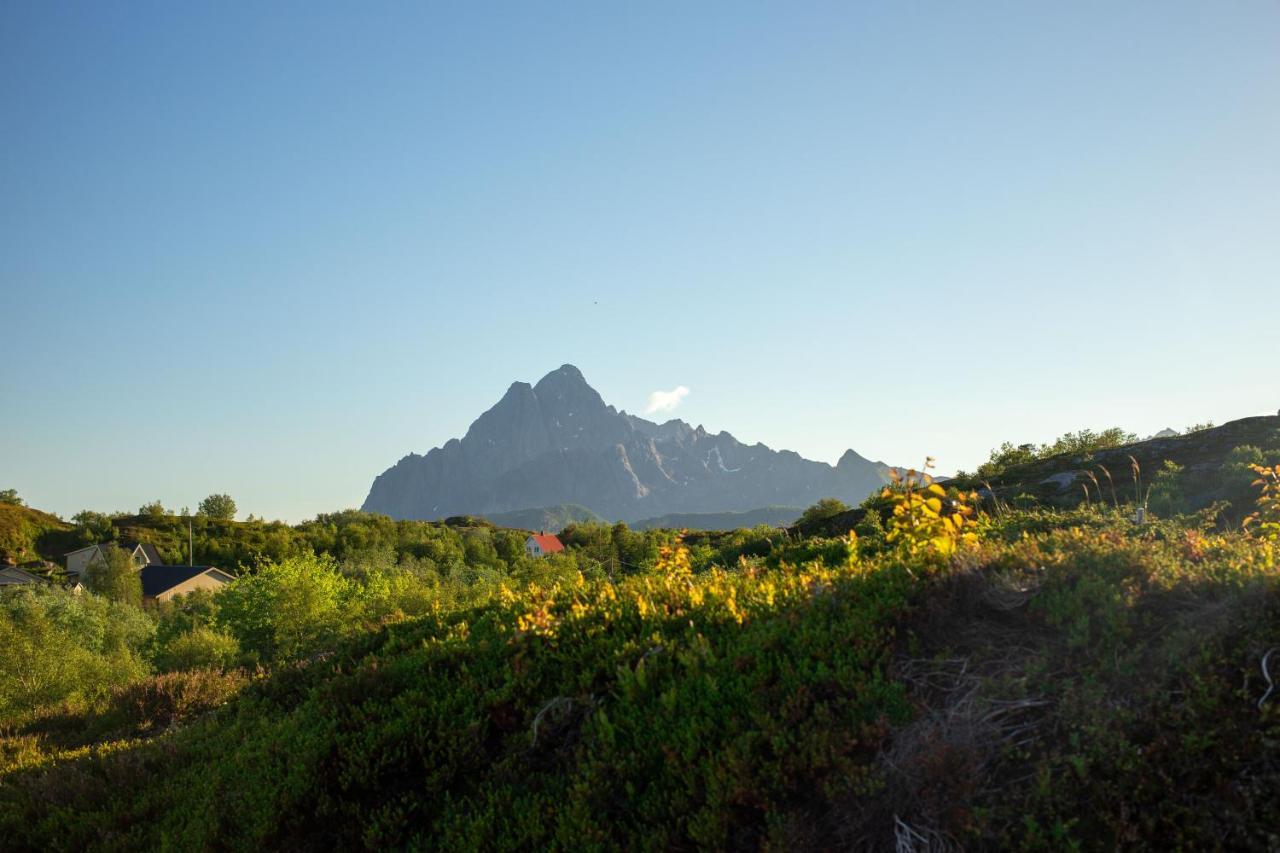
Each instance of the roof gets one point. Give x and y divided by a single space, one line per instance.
149 551
158 579
548 542
12 576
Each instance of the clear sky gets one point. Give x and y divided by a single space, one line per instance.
269 248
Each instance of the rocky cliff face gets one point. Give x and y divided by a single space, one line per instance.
557 442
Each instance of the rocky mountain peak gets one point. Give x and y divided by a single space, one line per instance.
558 442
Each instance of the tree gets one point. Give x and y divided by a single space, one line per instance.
10 496
218 507
871 527
154 510
114 576
93 526
286 609
1168 490
822 510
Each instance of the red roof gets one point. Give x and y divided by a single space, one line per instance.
548 542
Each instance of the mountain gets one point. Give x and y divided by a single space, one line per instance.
557 442
774 516
552 518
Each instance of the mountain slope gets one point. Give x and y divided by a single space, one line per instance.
552 518
770 515
558 442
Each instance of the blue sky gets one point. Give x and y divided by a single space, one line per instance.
268 249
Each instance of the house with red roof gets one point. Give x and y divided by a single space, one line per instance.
542 543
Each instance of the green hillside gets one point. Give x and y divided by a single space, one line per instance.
27 535
772 516
549 518
961 672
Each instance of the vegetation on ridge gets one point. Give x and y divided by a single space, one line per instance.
956 670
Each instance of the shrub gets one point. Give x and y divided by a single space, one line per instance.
1167 491
175 697
286 609
59 647
199 648
925 518
1266 520
822 510
870 529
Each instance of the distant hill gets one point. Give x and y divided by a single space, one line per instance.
1207 473
557 442
770 515
1058 480
552 518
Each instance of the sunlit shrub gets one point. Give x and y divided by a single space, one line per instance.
59 647
286 609
201 647
1266 520
925 517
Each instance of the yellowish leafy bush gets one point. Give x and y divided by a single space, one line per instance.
924 518
1266 519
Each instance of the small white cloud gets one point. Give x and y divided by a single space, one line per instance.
665 401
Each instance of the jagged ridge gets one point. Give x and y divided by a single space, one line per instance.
558 442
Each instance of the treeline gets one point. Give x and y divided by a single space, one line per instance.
63 652
444 546
301 589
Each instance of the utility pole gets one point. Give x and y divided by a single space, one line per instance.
191 548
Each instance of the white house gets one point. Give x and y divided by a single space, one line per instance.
543 543
143 554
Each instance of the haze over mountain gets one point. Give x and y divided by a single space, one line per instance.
558 442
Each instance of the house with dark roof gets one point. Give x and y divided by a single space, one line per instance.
542 543
14 576
163 583
143 554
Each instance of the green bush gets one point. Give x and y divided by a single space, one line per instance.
57 647
199 648
1168 494
822 510
286 609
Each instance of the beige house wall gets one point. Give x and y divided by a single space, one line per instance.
78 561
209 580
